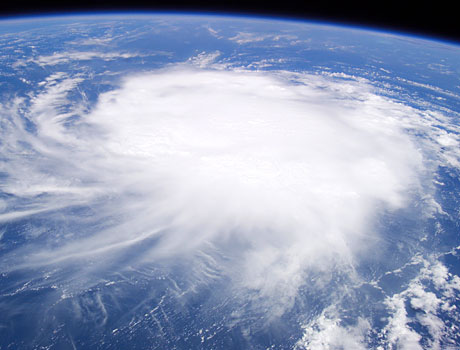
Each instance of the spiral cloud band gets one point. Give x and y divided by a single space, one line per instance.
270 176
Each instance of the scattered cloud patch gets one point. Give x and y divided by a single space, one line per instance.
214 32
247 37
430 87
104 41
65 57
429 308
205 59
326 332
264 63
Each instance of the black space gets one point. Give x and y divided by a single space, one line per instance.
436 19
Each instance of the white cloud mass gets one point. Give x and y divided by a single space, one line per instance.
284 173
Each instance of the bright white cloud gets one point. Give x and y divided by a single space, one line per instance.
327 333
426 305
399 333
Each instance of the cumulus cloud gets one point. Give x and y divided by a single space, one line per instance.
326 332
282 172
422 316
431 309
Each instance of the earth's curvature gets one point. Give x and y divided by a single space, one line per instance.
205 182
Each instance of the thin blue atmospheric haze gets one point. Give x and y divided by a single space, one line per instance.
215 182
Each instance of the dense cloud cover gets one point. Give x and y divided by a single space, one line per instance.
282 173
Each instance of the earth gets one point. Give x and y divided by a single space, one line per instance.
174 181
